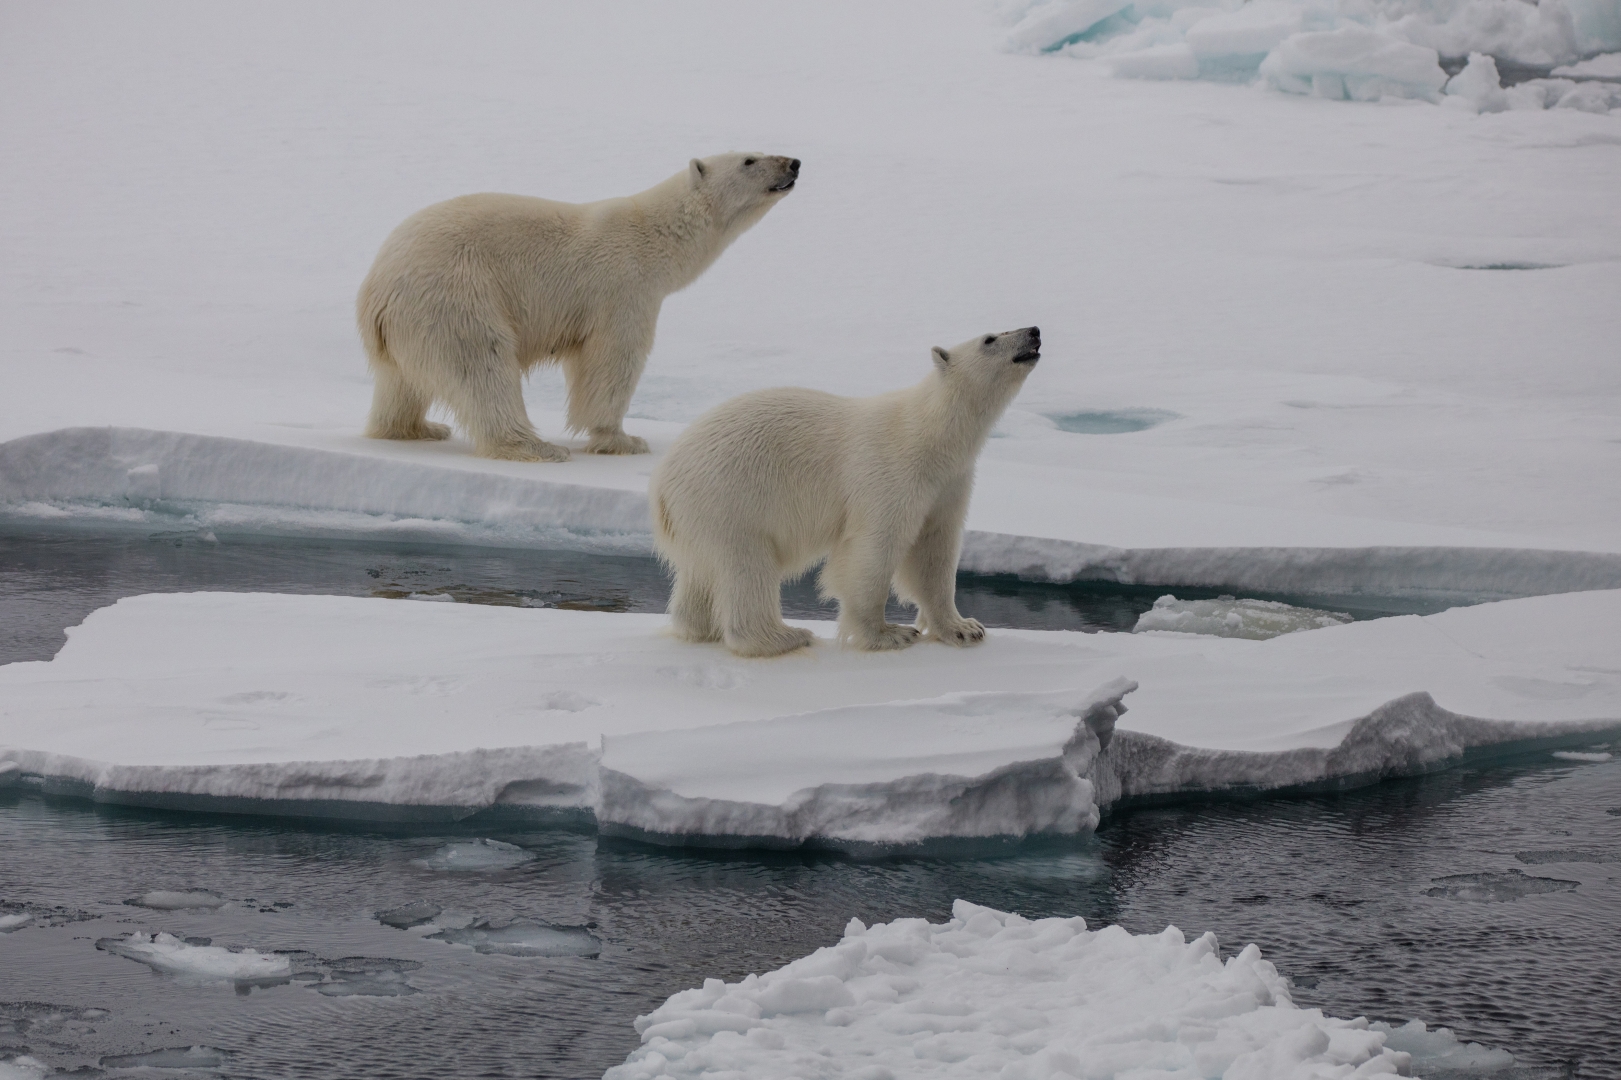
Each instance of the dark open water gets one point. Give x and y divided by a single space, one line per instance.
1484 899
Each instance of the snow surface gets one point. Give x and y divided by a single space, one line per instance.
1290 279
992 994
369 708
201 963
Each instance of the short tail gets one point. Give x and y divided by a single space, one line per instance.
369 318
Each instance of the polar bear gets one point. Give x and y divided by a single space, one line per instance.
468 295
764 486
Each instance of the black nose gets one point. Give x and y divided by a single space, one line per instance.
793 166
1035 333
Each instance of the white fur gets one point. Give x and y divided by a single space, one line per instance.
764 486
466 296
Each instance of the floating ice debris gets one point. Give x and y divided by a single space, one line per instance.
993 994
23 1067
209 963
1226 616
1596 757
1436 1051
367 976
179 1057
13 920
40 1019
409 915
1509 885
476 855
524 939
1559 855
15 916
176 900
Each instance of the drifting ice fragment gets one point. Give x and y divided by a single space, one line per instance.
476 855
179 1057
1225 616
366 976
1496 888
524 939
23 1067
1597 757
409 915
14 921
208 963
169 900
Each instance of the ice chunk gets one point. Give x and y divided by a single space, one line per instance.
409 915
1016 998
1226 616
1437 1050
1252 31
1046 26
14 920
1354 62
476 855
1593 97
170 900
23 1067
1596 757
1607 66
1559 855
205 963
179 1057
524 939
1496 888
365 976
1477 86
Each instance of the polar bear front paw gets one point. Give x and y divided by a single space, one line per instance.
962 633
771 642
615 442
889 636
525 448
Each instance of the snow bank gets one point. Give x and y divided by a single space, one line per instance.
203 963
996 995
285 704
1363 50
1229 617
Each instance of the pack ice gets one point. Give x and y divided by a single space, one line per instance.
992 994
378 709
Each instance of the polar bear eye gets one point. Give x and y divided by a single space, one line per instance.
748 161
990 339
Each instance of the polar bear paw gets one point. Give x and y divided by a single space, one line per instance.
525 448
615 442
773 642
961 633
886 637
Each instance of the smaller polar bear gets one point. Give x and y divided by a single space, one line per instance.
468 295
764 486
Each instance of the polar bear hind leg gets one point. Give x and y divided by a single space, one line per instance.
399 410
748 603
692 606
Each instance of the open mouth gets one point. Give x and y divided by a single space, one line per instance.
1029 356
786 185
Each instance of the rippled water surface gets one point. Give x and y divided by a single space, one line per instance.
1348 895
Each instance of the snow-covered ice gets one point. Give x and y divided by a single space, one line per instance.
14 920
201 963
995 995
368 708
1227 616
1351 407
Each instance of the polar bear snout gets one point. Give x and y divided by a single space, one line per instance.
1031 351
790 169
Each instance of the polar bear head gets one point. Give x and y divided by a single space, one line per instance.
990 368
740 188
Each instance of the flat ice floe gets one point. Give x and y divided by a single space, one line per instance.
991 994
381 710
201 963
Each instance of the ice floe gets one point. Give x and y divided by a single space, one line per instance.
178 900
1226 616
176 1057
476 855
433 712
201 963
408 915
521 938
1496 887
996 995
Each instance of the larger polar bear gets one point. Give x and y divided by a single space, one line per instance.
762 487
468 295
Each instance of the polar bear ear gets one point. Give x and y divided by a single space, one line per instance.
695 172
941 358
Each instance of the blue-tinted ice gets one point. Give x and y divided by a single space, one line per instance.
476 855
1114 422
